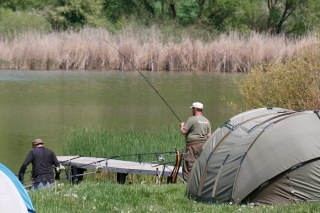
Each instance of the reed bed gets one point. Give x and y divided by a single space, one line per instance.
124 143
95 49
90 196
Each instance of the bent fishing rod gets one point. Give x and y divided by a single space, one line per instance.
144 78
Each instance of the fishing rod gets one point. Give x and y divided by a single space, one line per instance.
50 166
139 155
144 78
95 162
72 158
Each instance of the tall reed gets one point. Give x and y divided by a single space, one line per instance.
124 143
148 50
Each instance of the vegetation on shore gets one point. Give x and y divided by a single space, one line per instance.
219 35
213 35
125 143
293 85
146 49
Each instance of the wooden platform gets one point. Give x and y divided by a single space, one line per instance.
118 166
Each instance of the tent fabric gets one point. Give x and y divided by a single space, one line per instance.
242 160
13 196
277 191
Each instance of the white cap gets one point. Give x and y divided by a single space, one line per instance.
197 105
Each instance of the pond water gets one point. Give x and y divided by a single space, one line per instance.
44 104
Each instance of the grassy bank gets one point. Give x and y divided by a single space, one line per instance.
147 49
112 197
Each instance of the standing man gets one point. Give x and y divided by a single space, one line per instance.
42 160
197 131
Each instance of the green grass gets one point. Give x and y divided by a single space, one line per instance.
126 143
91 196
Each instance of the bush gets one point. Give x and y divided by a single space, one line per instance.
13 23
294 84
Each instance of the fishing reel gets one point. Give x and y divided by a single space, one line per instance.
58 171
57 176
98 168
160 158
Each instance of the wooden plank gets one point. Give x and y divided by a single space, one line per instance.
119 166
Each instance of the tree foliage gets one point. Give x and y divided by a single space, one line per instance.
74 14
273 16
280 11
12 23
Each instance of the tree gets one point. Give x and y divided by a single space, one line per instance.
116 10
280 11
24 5
201 8
225 15
306 19
74 14
172 9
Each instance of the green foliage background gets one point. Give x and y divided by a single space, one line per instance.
12 23
294 17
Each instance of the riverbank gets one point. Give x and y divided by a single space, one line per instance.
97 49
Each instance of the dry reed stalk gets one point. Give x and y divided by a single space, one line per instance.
88 49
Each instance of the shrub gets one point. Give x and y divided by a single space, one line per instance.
294 84
13 23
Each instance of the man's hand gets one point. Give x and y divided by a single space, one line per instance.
57 176
58 171
59 168
183 131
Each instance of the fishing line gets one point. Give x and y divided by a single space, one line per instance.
144 78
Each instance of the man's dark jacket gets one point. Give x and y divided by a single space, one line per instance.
42 160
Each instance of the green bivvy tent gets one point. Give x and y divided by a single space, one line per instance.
266 155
